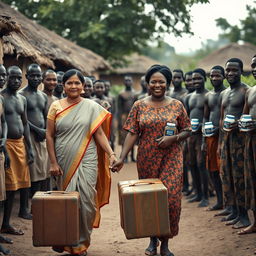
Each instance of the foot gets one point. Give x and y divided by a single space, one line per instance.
133 159
12 231
196 198
215 208
249 230
4 251
242 223
203 203
191 195
188 192
25 215
229 217
224 212
5 240
152 248
232 222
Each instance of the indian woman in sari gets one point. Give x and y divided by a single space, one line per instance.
80 154
159 156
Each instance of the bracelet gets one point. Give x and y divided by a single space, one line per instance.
112 154
177 137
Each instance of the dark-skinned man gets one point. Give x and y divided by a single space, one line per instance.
19 152
190 88
144 89
50 82
36 113
232 145
3 136
88 88
58 91
210 141
197 157
125 101
250 154
180 93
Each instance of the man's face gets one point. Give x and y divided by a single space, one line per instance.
107 86
128 81
177 79
88 89
216 77
253 66
189 83
50 81
99 89
233 72
3 76
14 79
198 80
59 87
34 76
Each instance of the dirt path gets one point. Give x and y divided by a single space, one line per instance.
200 233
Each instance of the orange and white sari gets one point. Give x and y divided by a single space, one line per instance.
85 165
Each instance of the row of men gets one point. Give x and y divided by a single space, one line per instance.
228 156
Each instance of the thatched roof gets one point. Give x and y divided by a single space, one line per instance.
42 45
245 52
137 64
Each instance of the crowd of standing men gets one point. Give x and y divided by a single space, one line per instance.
224 162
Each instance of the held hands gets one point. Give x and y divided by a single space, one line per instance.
117 166
55 170
166 141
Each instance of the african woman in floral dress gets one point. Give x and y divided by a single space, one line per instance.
158 156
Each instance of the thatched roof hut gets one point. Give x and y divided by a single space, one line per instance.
245 52
24 38
137 65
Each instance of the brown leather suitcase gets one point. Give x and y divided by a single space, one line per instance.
144 208
55 218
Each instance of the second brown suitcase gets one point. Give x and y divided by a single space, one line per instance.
55 218
144 208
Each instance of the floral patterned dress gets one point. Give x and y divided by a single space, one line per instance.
154 162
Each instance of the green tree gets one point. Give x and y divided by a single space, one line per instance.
111 28
245 31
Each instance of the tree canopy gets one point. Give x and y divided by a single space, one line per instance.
111 28
245 31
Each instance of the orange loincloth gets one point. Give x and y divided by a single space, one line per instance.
212 159
17 176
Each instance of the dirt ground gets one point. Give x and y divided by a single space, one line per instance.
200 232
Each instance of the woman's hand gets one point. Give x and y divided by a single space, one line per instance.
55 170
166 141
117 166
112 160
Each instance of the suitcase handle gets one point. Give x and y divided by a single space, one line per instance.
144 183
56 192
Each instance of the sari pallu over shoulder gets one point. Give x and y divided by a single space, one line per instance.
75 126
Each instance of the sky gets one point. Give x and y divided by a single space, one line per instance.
203 22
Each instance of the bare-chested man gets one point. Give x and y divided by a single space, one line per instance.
178 92
3 136
58 91
36 113
190 88
210 144
18 154
50 82
250 153
144 89
124 102
197 158
232 146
